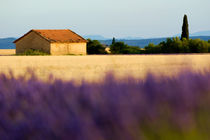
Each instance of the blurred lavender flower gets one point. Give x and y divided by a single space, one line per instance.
129 109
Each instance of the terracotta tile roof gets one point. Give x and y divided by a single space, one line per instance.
64 36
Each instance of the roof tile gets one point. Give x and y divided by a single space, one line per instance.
64 36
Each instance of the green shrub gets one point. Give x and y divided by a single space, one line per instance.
95 47
152 49
209 46
184 46
132 50
118 48
34 52
122 48
198 46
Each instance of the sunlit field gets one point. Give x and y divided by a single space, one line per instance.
7 52
94 67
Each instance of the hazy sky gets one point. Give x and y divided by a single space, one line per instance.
119 18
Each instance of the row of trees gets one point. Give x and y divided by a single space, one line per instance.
95 47
175 45
171 45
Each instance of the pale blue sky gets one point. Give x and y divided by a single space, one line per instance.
119 18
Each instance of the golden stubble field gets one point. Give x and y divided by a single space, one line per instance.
94 67
7 51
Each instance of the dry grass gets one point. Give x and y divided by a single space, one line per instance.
7 51
93 68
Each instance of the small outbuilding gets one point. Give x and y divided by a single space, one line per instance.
54 42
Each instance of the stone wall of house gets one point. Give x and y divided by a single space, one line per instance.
68 48
32 41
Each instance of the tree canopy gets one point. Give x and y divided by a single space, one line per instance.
95 47
175 45
122 48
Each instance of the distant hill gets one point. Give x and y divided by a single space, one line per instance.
95 37
99 37
7 43
131 38
201 33
144 42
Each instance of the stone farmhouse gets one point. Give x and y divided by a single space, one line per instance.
54 42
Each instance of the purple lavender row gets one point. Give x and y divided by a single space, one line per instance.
129 109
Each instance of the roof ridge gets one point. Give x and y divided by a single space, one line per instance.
41 35
48 29
22 36
76 34
57 35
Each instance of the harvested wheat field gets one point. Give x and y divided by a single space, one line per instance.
7 51
94 67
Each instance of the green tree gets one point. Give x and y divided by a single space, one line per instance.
198 46
118 48
185 28
171 45
113 40
152 49
132 50
184 46
203 46
176 45
209 46
122 48
95 47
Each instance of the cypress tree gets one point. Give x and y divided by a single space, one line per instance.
113 40
185 30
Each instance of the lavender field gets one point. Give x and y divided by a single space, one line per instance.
162 108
